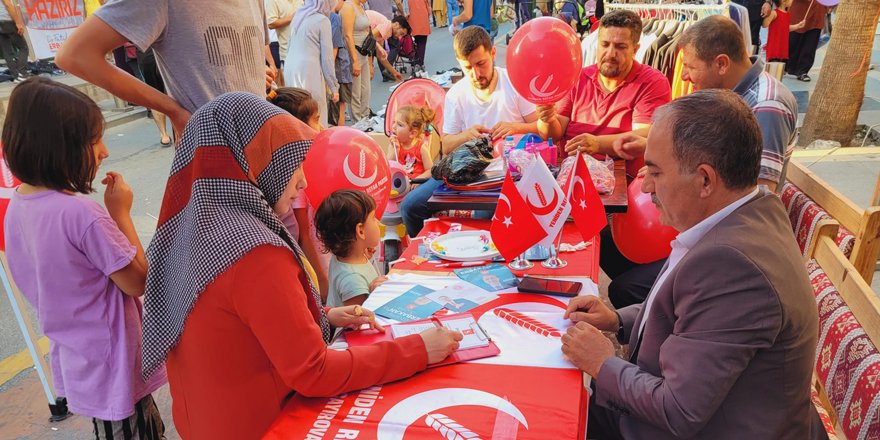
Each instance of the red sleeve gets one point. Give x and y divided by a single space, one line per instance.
271 301
656 93
565 106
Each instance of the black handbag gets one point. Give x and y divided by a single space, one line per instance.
368 47
465 164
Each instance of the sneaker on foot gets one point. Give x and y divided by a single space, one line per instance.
804 77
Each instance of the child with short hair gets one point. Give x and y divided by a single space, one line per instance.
300 218
80 266
348 227
410 135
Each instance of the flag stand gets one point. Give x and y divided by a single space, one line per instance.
554 262
521 263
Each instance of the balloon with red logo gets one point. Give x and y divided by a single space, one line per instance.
544 60
345 158
638 234
8 182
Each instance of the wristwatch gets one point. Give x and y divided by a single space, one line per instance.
620 332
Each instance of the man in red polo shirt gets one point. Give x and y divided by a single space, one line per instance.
617 96
612 100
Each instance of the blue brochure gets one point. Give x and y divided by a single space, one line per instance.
412 305
491 277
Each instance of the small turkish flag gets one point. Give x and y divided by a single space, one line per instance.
587 209
514 228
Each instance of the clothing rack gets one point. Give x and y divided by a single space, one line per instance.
720 9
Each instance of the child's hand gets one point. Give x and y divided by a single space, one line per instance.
353 317
118 197
801 25
377 282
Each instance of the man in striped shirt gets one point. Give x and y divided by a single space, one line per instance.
715 56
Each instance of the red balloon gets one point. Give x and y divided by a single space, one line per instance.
544 60
417 92
638 234
345 158
8 182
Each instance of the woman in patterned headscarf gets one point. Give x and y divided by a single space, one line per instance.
223 265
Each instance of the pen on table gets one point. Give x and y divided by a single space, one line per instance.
463 264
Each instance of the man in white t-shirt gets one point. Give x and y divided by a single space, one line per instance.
484 103
279 15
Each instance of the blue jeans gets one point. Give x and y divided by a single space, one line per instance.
451 11
414 207
523 14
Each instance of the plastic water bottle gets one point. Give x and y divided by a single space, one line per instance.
508 145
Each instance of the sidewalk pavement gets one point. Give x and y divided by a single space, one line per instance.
853 171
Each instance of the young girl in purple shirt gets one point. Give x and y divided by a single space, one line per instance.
81 267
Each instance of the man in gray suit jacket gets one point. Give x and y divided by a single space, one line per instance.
724 345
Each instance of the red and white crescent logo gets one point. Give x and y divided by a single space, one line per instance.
545 208
359 179
579 200
542 92
507 219
408 411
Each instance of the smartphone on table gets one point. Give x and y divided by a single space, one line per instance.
548 286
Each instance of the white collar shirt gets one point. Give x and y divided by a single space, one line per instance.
683 243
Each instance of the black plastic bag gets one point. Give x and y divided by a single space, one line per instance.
466 163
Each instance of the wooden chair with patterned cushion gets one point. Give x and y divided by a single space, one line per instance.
808 220
859 236
847 359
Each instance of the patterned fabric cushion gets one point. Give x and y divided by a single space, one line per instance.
805 214
847 362
823 414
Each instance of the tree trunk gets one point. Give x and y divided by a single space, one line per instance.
837 99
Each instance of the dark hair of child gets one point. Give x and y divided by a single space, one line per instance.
295 101
48 135
337 217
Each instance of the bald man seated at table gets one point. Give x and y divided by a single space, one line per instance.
483 104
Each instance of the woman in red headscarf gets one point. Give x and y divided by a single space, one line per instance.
223 265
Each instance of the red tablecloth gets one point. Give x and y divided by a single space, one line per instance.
489 401
583 263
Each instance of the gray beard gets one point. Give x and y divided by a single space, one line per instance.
609 72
